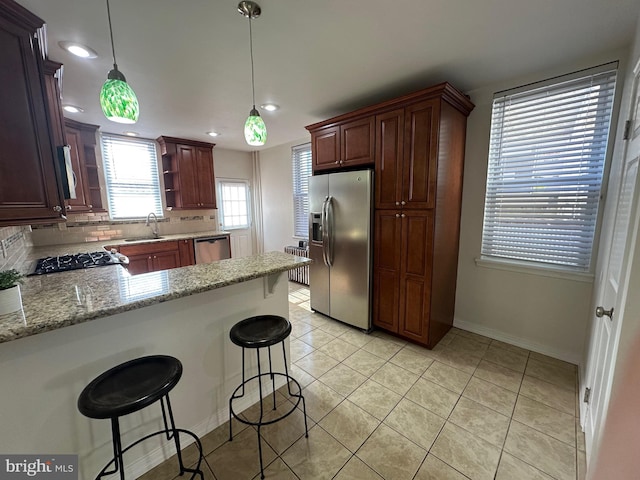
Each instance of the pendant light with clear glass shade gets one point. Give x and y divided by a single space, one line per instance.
255 131
117 99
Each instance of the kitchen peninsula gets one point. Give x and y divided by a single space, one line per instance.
78 324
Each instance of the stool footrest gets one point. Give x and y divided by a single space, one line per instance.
298 396
194 471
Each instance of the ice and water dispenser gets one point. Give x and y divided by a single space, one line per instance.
316 227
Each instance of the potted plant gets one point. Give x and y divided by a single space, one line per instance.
10 298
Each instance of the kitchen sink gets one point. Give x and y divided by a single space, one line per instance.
139 239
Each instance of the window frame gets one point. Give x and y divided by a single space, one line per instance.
153 186
247 185
301 153
536 267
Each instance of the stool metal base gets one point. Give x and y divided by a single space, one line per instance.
261 422
171 433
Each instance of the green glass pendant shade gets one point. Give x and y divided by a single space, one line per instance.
118 100
255 131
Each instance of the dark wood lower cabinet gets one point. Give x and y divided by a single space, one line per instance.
152 257
402 272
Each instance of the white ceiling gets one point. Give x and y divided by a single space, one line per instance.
188 60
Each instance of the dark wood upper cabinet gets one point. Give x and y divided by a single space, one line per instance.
349 144
30 187
325 148
389 158
82 138
188 171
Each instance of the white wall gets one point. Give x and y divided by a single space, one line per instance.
277 195
546 314
232 164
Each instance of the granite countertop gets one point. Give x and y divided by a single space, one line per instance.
62 299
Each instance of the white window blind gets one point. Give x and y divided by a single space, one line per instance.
301 166
546 161
131 173
234 203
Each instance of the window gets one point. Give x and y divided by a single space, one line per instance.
234 203
546 161
301 160
131 173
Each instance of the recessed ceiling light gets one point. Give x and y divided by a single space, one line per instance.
213 134
270 107
78 49
131 134
72 109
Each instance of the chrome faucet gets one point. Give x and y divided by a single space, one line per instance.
148 224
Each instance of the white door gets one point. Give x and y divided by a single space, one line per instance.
234 209
610 285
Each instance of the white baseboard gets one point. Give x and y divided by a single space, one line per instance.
571 357
162 453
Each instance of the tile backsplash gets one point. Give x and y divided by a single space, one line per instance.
97 227
14 242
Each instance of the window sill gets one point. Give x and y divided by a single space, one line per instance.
529 269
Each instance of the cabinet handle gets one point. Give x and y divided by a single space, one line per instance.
403 203
403 215
337 162
397 204
57 208
397 215
90 206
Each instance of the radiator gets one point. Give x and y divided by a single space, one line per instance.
300 274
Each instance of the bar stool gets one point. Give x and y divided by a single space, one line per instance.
260 332
130 387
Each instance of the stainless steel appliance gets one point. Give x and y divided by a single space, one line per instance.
340 246
212 249
77 261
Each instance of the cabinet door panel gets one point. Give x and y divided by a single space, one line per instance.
166 260
325 148
414 318
389 143
82 200
139 264
28 183
386 265
357 142
187 254
420 154
204 177
415 274
188 165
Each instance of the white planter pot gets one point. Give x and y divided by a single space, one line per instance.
10 300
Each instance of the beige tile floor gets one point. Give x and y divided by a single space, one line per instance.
381 408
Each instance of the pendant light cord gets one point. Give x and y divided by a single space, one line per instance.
113 48
253 87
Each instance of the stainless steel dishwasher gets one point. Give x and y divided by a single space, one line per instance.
212 249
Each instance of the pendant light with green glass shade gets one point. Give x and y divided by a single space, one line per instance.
255 131
117 99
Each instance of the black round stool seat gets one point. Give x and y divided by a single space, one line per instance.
130 386
260 331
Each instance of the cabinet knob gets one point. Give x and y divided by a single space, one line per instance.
337 162
403 203
397 215
68 207
403 215
397 204
57 208
90 206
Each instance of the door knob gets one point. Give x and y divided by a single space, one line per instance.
601 312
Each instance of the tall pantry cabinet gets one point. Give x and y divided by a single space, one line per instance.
418 158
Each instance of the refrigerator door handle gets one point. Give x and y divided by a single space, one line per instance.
325 232
330 231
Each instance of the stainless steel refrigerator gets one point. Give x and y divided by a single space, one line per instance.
340 246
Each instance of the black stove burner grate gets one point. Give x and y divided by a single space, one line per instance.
77 261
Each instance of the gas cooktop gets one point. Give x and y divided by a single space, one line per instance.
76 261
